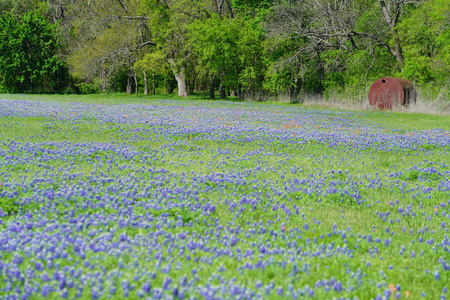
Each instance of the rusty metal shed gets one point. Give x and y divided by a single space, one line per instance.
386 93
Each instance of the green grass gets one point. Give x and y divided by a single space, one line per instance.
188 156
388 119
407 121
109 98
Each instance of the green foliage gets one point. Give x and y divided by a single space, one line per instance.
214 42
29 59
86 88
8 206
251 53
170 21
229 49
19 7
427 43
248 46
252 5
371 20
154 62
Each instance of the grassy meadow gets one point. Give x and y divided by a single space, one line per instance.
113 197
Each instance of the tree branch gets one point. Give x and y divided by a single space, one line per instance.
385 11
123 6
127 18
142 45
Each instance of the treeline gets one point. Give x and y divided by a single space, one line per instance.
244 48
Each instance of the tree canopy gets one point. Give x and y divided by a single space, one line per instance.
29 59
243 48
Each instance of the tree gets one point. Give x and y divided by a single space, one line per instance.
214 42
223 8
427 43
252 6
286 71
169 23
19 7
29 59
251 56
337 32
113 39
153 63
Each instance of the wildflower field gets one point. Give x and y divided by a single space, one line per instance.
174 199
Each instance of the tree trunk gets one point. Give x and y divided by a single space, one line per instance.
145 83
221 87
352 42
294 93
129 82
190 86
180 76
211 87
398 51
181 83
222 91
104 86
104 81
392 22
169 84
303 88
153 85
321 72
230 9
136 85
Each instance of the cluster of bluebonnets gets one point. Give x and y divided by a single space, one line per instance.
219 200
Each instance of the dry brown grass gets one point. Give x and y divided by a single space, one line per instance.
437 103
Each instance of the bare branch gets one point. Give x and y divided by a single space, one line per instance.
123 5
142 45
138 18
385 10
